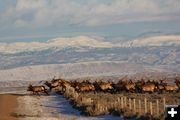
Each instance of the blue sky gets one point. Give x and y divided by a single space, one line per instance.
35 20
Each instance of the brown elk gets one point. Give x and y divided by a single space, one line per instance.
118 87
139 85
74 83
171 88
84 87
125 85
53 84
160 86
177 81
105 86
37 89
130 86
149 88
65 84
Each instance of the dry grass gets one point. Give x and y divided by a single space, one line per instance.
19 115
93 104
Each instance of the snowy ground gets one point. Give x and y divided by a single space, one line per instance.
52 107
43 107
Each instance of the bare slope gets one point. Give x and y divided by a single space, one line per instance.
77 70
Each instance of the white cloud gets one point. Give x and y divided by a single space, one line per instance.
37 13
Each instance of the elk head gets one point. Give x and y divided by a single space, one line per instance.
29 87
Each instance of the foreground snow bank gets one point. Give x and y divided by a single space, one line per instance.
52 107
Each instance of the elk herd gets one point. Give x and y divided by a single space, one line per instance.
128 85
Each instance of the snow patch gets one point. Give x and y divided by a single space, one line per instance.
53 107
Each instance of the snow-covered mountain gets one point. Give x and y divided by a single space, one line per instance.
162 50
164 55
164 40
85 41
58 43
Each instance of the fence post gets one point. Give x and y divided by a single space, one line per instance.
114 104
98 106
130 107
139 106
76 95
119 101
151 110
145 105
125 102
122 103
105 108
164 103
134 101
157 107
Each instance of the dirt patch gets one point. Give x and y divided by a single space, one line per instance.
8 103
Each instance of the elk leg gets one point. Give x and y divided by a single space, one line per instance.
159 91
46 92
50 88
177 90
38 93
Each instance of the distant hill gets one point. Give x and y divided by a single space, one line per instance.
89 56
153 50
79 70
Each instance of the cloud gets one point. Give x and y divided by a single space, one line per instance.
79 41
38 13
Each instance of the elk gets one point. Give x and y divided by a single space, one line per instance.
139 85
125 86
177 81
37 89
130 86
85 87
65 84
160 86
171 88
52 84
96 85
120 86
149 86
105 86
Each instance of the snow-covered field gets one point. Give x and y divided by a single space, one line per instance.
52 107
69 71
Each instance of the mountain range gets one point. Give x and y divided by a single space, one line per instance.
156 50
85 56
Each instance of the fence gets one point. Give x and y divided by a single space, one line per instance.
141 107
126 105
